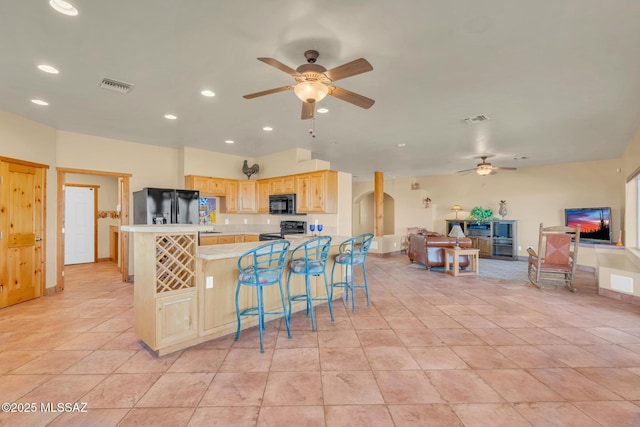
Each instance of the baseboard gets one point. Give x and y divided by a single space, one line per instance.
388 254
633 299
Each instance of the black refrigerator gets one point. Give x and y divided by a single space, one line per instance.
165 206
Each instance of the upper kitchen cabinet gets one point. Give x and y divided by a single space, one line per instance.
302 193
283 185
229 203
207 186
247 197
264 187
317 192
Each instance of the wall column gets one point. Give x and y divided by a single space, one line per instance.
378 204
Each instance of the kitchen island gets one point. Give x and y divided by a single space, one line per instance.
184 294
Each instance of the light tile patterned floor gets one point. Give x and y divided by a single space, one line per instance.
431 350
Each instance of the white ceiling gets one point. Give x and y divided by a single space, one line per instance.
559 79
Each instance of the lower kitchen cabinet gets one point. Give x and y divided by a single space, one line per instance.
176 318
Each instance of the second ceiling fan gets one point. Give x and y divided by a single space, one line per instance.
313 82
485 168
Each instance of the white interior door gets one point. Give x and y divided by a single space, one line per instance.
79 230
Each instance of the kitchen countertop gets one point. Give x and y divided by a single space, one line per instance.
166 228
232 250
230 233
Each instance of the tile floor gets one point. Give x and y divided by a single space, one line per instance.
432 350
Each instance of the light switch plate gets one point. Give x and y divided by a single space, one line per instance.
209 282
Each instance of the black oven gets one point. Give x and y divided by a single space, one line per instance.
282 204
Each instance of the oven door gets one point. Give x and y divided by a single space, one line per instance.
263 237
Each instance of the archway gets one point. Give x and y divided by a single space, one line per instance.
363 214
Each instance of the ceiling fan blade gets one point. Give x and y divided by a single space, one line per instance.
352 97
505 168
349 69
466 171
267 92
280 66
308 110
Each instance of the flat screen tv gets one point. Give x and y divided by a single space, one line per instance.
595 223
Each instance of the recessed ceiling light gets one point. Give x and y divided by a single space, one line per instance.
267 128
40 102
170 116
228 141
323 110
48 69
63 7
402 145
208 93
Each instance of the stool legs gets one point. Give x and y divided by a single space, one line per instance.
349 284
260 312
308 297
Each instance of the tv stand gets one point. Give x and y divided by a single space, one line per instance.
494 239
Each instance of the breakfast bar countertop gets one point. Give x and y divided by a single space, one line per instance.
231 250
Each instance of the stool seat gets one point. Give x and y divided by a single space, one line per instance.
310 259
352 253
260 267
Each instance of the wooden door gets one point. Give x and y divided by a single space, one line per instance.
22 192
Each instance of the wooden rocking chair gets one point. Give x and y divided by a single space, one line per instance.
557 256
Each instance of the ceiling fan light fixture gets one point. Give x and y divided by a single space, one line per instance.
483 170
311 91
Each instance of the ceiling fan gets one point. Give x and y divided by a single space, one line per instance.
313 82
485 168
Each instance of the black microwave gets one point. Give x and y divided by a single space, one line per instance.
282 204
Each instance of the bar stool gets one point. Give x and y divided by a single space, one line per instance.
260 267
352 252
310 259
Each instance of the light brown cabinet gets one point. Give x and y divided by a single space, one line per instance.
207 186
302 193
264 187
208 240
230 238
175 318
317 192
251 238
283 185
247 199
229 204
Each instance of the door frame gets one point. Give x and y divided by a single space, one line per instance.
124 220
95 215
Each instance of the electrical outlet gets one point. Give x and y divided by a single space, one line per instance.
226 221
246 221
268 221
209 282
519 248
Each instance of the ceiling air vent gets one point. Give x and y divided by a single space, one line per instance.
476 119
115 85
